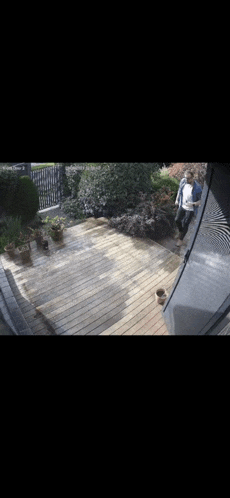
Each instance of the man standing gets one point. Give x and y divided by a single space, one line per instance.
188 199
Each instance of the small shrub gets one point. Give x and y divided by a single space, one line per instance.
165 196
146 220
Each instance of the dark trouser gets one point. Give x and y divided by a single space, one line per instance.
183 219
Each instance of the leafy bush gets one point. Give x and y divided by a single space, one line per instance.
114 187
26 200
71 207
8 185
3 225
71 182
146 219
166 184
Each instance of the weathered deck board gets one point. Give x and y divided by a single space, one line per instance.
96 282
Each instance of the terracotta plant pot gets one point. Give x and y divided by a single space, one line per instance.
161 295
10 250
24 252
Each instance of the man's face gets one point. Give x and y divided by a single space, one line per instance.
189 179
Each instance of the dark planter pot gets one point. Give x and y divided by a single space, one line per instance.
45 244
56 234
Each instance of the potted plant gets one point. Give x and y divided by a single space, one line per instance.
37 235
9 249
24 247
56 227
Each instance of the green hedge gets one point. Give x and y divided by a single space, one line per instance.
8 186
26 200
71 181
114 187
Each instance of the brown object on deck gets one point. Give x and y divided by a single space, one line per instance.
161 296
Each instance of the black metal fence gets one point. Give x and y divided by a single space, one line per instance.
49 182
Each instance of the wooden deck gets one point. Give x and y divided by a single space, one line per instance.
96 282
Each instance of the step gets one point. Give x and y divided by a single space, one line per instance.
12 309
5 316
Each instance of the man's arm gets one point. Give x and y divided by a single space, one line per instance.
198 203
177 198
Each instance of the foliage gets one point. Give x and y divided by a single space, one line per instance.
35 232
23 240
177 170
26 200
165 184
3 224
11 246
114 187
146 219
54 223
8 184
36 222
71 207
10 230
4 240
71 180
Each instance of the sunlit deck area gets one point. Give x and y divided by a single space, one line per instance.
96 282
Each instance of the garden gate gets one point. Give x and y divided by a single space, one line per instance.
49 182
